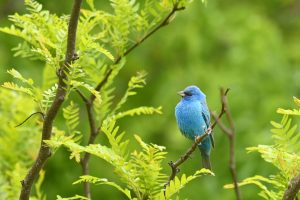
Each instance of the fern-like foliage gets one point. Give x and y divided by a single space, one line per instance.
137 81
178 183
103 181
43 33
103 40
143 110
71 115
28 87
140 173
283 154
48 97
147 167
16 155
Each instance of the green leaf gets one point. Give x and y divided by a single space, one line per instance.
288 111
76 197
15 87
297 101
71 115
178 183
17 75
77 84
135 82
260 182
48 97
102 181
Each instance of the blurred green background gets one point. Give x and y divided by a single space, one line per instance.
252 47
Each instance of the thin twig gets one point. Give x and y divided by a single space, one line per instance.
81 95
89 103
162 24
44 151
38 112
174 165
230 133
292 189
93 134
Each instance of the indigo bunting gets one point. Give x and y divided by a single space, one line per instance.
193 119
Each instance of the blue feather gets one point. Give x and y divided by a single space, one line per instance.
193 119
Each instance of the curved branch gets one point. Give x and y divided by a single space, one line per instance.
159 26
25 120
44 152
293 189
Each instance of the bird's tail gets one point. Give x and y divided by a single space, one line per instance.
205 160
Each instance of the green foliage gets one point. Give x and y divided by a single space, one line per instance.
103 181
43 33
140 173
16 154
283 154
76 197
103 40
137 81
48 97
13 86
71 115
178 183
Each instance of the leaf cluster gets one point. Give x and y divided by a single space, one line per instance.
140 171
283 154
103 40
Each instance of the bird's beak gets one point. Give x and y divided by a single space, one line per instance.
181 93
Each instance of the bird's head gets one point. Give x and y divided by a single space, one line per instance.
192 93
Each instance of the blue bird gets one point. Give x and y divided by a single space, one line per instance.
193 119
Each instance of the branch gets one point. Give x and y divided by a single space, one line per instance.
174 165
162 24
93 134
230 133
89 103
292 189
44 151
83 97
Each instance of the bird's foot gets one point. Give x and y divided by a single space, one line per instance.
197 138
209 130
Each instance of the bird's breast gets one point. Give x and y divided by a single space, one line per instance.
189 118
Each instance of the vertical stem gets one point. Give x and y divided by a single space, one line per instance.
44 151
93 134
230 133
232 165
86 186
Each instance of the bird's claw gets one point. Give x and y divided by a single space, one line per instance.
196 138
209 130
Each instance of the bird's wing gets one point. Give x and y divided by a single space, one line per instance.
206 117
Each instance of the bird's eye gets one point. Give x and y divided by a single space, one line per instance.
187 93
